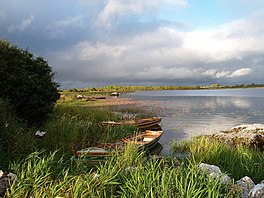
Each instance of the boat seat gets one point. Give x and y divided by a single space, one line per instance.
146 139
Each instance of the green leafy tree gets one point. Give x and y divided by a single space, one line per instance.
27 83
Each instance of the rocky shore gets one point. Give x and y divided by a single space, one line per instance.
247 135
245 186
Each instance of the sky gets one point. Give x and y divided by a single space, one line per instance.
91 43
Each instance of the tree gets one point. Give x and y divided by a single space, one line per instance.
27 83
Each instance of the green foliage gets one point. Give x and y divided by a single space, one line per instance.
16 140
26 82
236 161
49 176
71 128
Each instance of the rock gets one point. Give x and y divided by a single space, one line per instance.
6 181
245 185
215 172
249 128
257 191
249 135
212 170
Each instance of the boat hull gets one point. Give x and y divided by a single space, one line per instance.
144 141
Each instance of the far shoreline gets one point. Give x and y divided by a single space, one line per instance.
132 88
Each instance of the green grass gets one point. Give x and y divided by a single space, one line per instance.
42 175
236 161
68 128
45 166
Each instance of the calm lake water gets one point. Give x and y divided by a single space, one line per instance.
188 113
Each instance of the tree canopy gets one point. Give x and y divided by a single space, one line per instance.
26 82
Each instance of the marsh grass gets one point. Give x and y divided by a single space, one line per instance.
68 128
72 128
236 161
16 139
42 175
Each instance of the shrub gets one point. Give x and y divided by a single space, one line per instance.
27 83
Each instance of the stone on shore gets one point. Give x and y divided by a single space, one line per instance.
215 172
257 191
248 135
245 185
6 181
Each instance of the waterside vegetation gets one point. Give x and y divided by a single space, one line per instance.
45 167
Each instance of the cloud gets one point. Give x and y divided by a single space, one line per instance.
226 74
58 27
240 72
25 23
2 15
169 54
116 10
130 41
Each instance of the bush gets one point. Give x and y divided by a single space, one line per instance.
27 83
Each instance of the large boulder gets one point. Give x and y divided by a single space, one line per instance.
248 135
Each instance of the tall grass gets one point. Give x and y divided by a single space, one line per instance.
68 128
16 139
48 176
237 161
71 128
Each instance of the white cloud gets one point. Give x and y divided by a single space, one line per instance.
166 53
240 72
58 27
226 74
25 23
115 10
69 22
215 73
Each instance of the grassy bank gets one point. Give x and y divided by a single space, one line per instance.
235 161
45 167
68 128
121 176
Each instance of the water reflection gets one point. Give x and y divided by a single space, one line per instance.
190 113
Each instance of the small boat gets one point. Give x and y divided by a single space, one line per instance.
116 94
141 123
144 141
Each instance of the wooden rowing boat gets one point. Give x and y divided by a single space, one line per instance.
140 123
143 140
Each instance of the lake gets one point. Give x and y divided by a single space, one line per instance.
188 113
